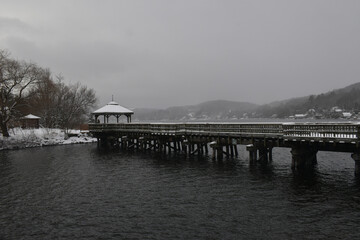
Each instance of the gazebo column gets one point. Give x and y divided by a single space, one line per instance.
128 116
104 119
117 118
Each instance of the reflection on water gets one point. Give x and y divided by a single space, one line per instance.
74 192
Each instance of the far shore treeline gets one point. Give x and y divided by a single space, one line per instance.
27 88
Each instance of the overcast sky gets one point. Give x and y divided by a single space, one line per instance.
161 53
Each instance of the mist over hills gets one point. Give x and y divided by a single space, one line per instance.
211 110
346 99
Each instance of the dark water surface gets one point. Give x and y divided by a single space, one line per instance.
78 192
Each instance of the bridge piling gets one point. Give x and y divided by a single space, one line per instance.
253 153
219 152
356 157
270 154
303 157
206 148
263 154
236 151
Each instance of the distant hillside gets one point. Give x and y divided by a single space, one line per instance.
347 98
212 110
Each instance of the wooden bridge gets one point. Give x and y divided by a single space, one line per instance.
304 139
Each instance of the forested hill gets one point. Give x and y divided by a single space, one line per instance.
347 98
211 110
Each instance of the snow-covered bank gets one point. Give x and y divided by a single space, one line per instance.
24 138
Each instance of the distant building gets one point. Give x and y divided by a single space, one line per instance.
311 112
30 121
346 115
319 116
336 109
300 116
336 112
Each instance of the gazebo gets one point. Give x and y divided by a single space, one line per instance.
112 109
30 121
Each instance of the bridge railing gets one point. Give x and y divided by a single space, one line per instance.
322 130
285 130
234 128
137 127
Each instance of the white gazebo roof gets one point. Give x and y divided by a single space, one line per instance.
30 116
112 108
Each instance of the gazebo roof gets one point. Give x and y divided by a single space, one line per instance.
112 108
30 116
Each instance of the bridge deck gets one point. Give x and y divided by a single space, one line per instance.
304 139
326 132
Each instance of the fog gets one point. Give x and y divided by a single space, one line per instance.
157 54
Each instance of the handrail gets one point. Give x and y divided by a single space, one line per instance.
285 130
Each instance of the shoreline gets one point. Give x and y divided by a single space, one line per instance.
45 145
42 137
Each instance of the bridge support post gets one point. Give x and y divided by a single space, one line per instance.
252 152
159 146
180 145
219 151
227 147
303 157
199 149
206 148
232 150
174 147
263 154
270 154
185 149
356 157
213 147
236 151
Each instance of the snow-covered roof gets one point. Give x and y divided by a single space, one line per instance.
30 116
113 108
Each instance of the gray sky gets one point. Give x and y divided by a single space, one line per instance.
161 53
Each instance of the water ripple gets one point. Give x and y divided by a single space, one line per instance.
78 192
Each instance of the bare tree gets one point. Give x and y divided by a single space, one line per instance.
42 101
73 104
60 105
16 79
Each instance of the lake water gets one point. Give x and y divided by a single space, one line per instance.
79 192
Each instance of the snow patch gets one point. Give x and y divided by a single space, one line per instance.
25 138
